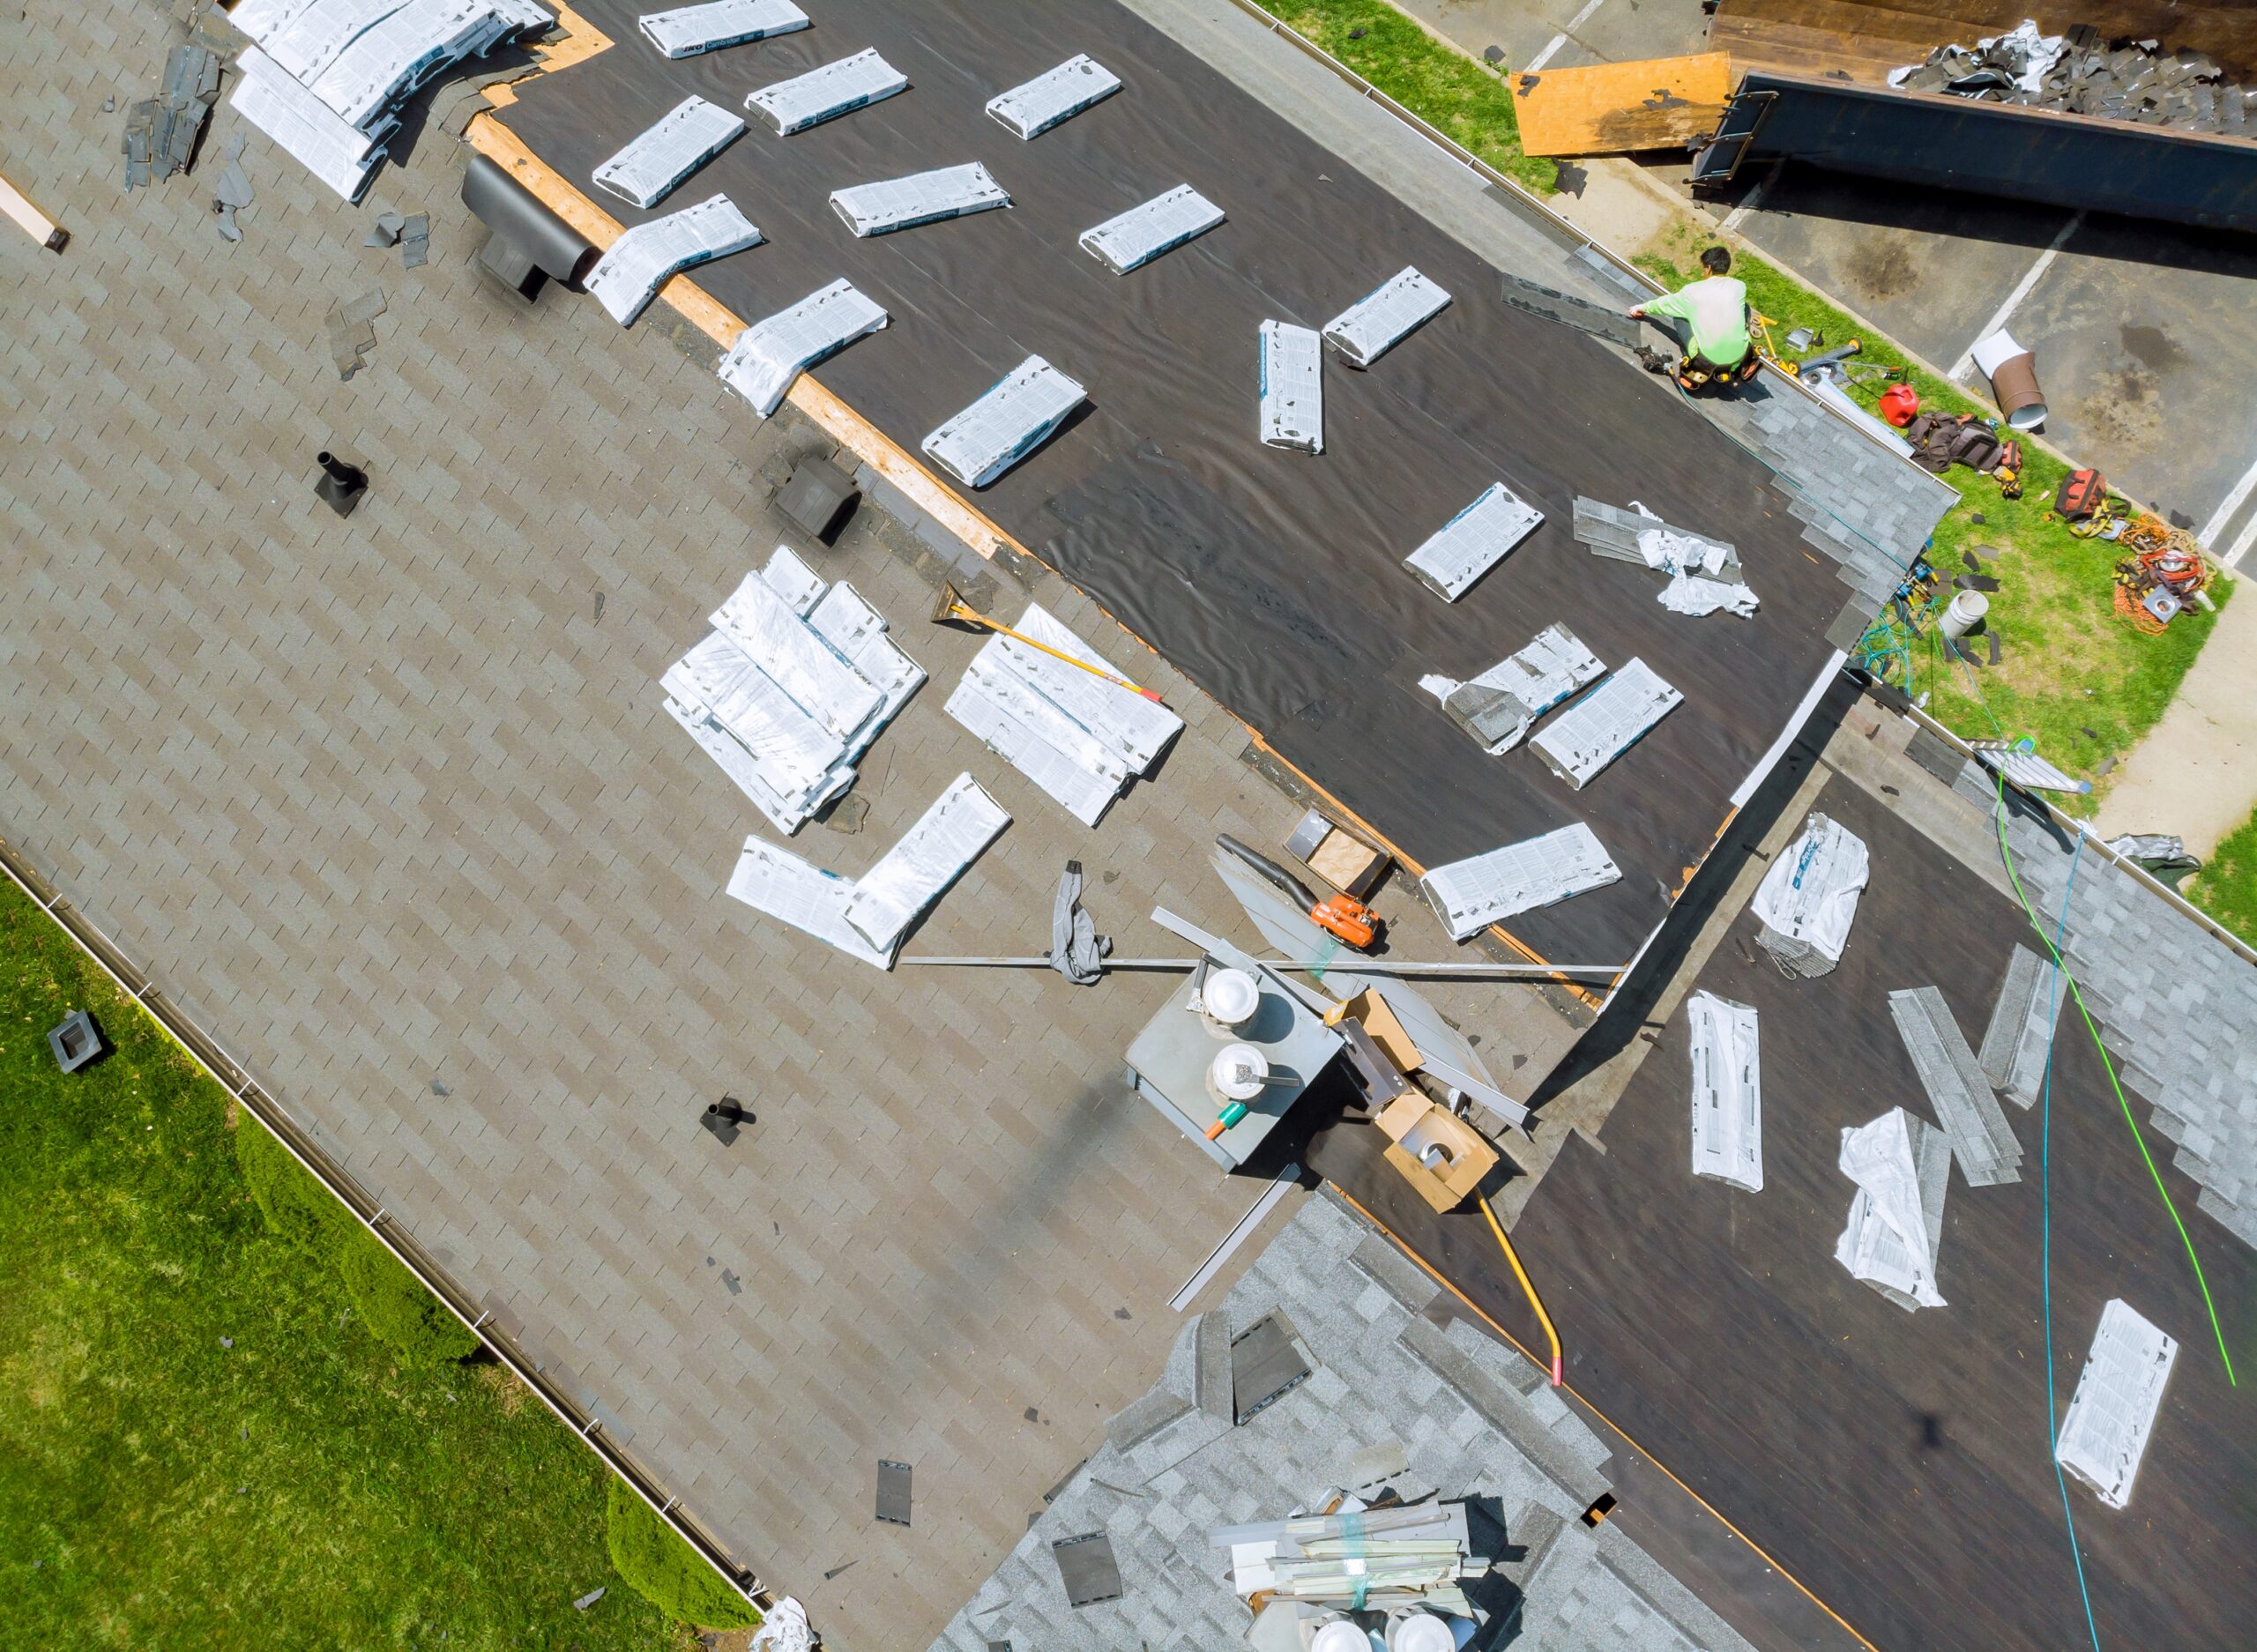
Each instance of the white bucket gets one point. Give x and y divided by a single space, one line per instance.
1419 1632
1231 997
1989 353
1966 611
1237 1072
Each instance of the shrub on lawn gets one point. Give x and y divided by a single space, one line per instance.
296 1206
665 1571
394 1305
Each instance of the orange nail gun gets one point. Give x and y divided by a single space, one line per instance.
1342 915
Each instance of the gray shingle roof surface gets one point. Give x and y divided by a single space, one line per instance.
1455 1401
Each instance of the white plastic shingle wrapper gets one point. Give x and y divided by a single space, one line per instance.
1376 322
790 748
1056 95
1292 387
922 197
257 19
680 141
1006 424
2105 1433
803 663
313 134
825 93
772 353
1535 679
1473 541
644 258
390 61
1809 899
317 34
691 30
788 888
929 857
1704 574
1470 894
1606 723
1902 1166
1727 1092
1138 236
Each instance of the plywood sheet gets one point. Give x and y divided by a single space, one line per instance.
1614 108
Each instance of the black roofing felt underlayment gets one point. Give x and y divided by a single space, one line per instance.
1274 579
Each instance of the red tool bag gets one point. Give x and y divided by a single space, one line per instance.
2082 493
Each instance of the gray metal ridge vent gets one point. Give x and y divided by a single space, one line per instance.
1054 96
1292 387
1132 239
675 145
825 94
690 31
1981 1139
922 197
1384 317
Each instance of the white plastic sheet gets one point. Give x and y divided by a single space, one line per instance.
1727 1092
1473 541
2109 1420
1606 723
692 30
313 134
1004 426
772 353
1809 899
646 256
1471 894
1532 680
922 197
791 891
1056 95
1902 1166
1292 387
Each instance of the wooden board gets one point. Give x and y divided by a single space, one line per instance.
1616 108
1792 49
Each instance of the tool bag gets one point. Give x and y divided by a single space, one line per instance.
1940 441
2082 493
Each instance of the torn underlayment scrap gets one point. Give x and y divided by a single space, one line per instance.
1809 899
1705 574
774 351
1981 1139
827 93
1902 1166
1054 96
2118 1393
2019 1038
1080 739
1012 419
692 30
646 258
1499 706
1592 733
657 159
1469 895
922 197
1473 541
1727 1092
1384 317
1292 387
1142 234
929 857
790 688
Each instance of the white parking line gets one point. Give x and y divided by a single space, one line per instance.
2242 546
2228 508
1560 38
1752 198
2029 279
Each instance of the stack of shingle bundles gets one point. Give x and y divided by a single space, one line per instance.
793 684
1079 738
646 258
327 77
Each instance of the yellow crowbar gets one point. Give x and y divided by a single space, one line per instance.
951 605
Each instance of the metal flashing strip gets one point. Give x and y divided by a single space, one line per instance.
1382 318
2021 1034
646 256
1981 1139
1902 1166
313 134
929 857
922 197
1142 234
1606 723
1056 95
825 93
2112 1413
689 31
1471 894
1473 541
1727 1092
680 141
1499 706
774 351
1292 387
1005 424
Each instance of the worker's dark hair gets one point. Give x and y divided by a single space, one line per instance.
1716 260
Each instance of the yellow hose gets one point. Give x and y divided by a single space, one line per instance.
1526 1284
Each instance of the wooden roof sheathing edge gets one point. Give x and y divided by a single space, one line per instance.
1616 108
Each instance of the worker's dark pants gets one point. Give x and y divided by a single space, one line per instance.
1681 331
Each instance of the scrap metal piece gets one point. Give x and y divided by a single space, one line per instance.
1135 237
2111 1415
922 197
1012 419
1292 387
1473 541
648 256
1382 318
893 1492
1809 899
1469 895
1981 1139
1499 706
822 94
689 31
1606 723
2020 1037
1087 1569
1902 1166
773 351
2024 769
928 858
687 135
1727 1092
1058 94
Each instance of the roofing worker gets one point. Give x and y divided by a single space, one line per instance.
1709 319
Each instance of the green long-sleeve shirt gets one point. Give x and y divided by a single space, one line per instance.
1717 311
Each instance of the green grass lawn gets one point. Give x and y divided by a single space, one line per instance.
2226 887
1457 94
160 1488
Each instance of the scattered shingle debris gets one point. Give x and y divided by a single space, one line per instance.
588 1599
160 132
232 191
352 332
2079 73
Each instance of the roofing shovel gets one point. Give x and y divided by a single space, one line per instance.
951 605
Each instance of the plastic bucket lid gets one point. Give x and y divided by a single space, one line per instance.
1340 1635
1230 996
1988 353
1420 1631
1231 1059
